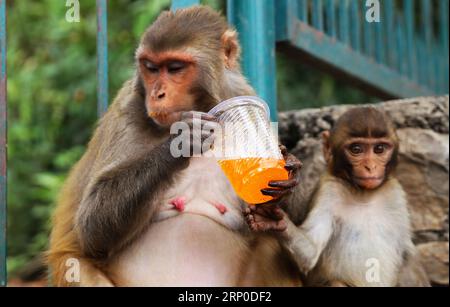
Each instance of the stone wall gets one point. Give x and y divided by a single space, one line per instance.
423 129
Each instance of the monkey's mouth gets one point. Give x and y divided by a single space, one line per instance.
165 117
159 114
369 183
369 178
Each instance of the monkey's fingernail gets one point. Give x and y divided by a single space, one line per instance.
276 184
209 117
289 166
271 192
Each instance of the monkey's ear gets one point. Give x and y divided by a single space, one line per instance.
326 145
231 49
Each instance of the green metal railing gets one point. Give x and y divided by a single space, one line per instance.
403 55
406 54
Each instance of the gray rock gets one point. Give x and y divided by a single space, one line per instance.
434 257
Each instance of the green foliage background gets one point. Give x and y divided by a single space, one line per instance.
52 100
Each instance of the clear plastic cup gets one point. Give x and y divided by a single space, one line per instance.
247 149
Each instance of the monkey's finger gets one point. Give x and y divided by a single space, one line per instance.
269 217
250 222
194 115
265 209
278 214
275 192
206 117
283 150
252 225
187 115
260 219
252 208
283 184
250 217
200 125
270 226
256 227
280 226
261 226
246 210
210 126
205 135
292 165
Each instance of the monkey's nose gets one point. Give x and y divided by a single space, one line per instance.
161 96
370 168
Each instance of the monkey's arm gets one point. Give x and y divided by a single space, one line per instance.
309 240
289 192
121 197
305 242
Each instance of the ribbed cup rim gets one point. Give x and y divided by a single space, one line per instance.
240 101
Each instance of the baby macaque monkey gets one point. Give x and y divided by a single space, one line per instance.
357 232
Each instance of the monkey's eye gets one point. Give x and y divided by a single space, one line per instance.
175 66
150 66
379 148
356 149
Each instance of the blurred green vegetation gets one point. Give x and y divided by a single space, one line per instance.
52 100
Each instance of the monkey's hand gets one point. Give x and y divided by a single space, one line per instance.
201 132
271 218
265 217
279 189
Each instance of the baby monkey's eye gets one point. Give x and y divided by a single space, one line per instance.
356 149
379 148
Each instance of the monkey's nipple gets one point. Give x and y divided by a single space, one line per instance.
179 203
222 208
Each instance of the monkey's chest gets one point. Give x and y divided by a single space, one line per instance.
365 249
186 250
189 242
202 189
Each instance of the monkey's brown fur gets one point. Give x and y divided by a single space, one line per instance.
116 189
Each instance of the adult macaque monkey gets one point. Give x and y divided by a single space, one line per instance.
357 232
131 213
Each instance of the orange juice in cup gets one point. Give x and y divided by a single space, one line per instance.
254 158
249 176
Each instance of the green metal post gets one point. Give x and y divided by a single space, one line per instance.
255 22
102 57
3 143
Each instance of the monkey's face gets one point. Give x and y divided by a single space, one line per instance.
369 158
168 80
182 58
362 147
